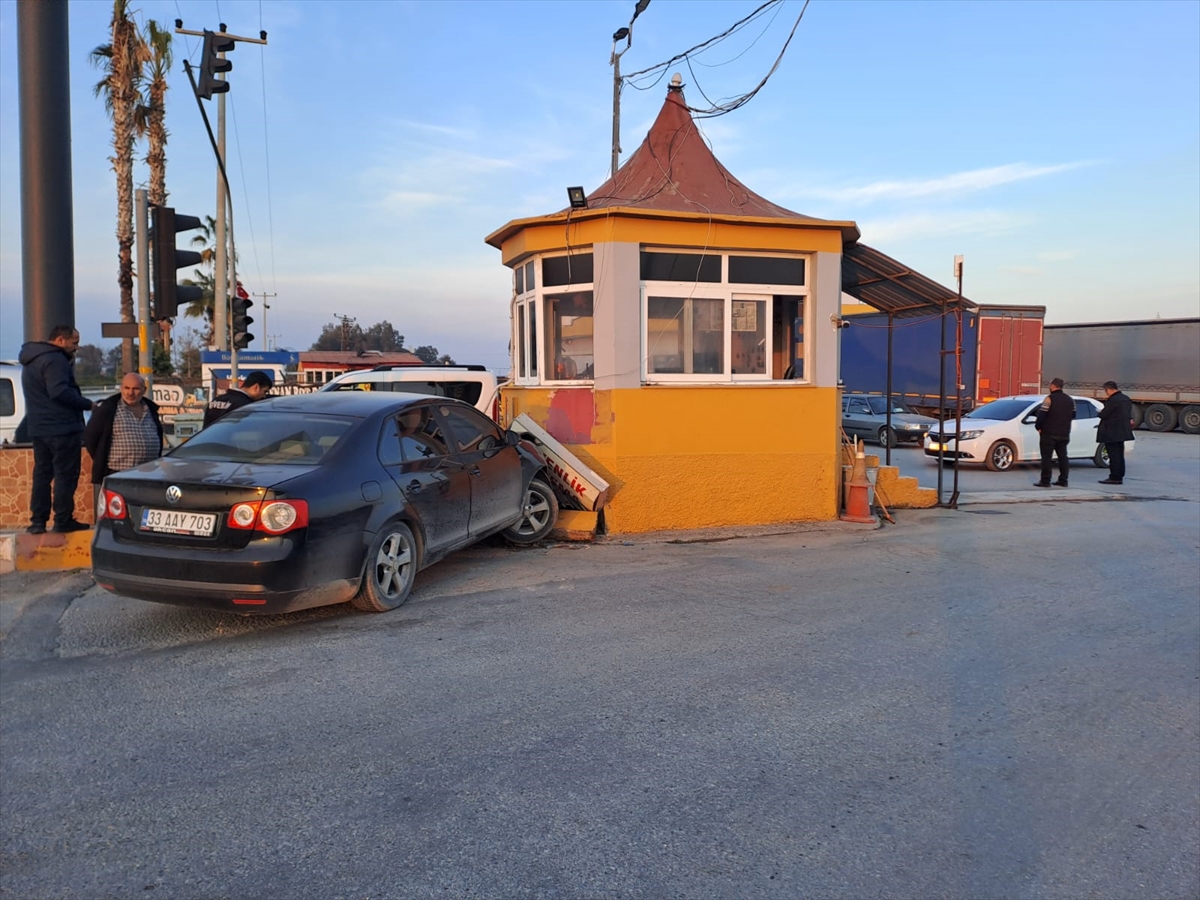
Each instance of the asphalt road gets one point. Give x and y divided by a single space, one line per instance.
1000 701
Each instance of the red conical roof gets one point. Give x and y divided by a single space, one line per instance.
674 170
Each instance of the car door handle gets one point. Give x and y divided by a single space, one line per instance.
475 470
414 486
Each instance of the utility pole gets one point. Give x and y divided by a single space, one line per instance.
626 35
347 321
145 344
266 337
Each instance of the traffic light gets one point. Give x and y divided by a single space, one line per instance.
211 64
165 258
239 319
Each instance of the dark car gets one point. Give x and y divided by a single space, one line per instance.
866 416
315 499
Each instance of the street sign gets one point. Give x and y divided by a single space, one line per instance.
119 329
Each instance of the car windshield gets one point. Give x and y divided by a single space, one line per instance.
879 407
1000 410
266 437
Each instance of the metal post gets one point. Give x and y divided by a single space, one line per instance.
141 208
616 136
221 259
47 229
942 405
958 316
888 399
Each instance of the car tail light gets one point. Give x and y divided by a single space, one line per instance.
109 505
271 516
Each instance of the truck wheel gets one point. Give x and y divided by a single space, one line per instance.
1139 412
1189 419
1159 417
887 437
1101 457
1001 456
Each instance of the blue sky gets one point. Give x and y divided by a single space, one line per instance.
373 145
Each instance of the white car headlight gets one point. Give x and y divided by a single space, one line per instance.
911 427
970 435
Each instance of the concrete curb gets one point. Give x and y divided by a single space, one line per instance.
49 552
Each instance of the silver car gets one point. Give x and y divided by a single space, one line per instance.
865 416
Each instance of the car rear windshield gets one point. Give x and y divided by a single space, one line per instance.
1000 410
266 437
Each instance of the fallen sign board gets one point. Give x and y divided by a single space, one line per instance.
567 472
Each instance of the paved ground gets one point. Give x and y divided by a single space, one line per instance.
1000 701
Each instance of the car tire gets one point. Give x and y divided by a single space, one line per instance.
390 570
1101 457
1001 456
539 513
1139 413
886 437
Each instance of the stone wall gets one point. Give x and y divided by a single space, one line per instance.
16 480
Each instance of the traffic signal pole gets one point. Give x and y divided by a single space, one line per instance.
142 221
213 66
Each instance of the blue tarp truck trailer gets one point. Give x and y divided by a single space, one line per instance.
1001 355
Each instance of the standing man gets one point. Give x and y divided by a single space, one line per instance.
124 430
1054 419
1116 427
255 386
54 418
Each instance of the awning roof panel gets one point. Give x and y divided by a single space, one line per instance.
891 287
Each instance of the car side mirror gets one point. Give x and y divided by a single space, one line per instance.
1029 419
512 438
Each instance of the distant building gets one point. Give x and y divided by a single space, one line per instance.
320 366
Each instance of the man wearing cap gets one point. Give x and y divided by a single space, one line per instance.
255 386
1054 418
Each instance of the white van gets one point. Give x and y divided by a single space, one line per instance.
471 384
12 401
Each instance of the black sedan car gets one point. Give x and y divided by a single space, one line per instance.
304 501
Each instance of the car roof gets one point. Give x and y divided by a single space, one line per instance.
348 403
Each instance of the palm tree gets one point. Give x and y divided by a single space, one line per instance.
122 62
150 121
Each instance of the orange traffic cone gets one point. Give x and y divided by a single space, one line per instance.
858 506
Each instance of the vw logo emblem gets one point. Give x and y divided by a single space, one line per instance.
174 493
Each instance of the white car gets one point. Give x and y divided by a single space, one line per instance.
471 384
1002 433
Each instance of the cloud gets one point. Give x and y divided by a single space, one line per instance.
984 221
952 185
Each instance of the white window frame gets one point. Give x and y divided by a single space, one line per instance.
723 290
533 302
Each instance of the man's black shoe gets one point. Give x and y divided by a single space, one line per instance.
1041 484
36 528
65 527
1110 481
1060 484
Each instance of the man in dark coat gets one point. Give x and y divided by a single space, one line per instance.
54 419
1116 427
124 430
255 386
1054 418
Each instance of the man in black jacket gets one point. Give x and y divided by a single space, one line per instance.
1116 427
255 387
54 417
1054 418
124 430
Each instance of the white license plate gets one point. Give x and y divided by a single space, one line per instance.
172 521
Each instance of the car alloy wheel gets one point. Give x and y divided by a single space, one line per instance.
1101 457
391 568
539 512
887 437
1001 456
